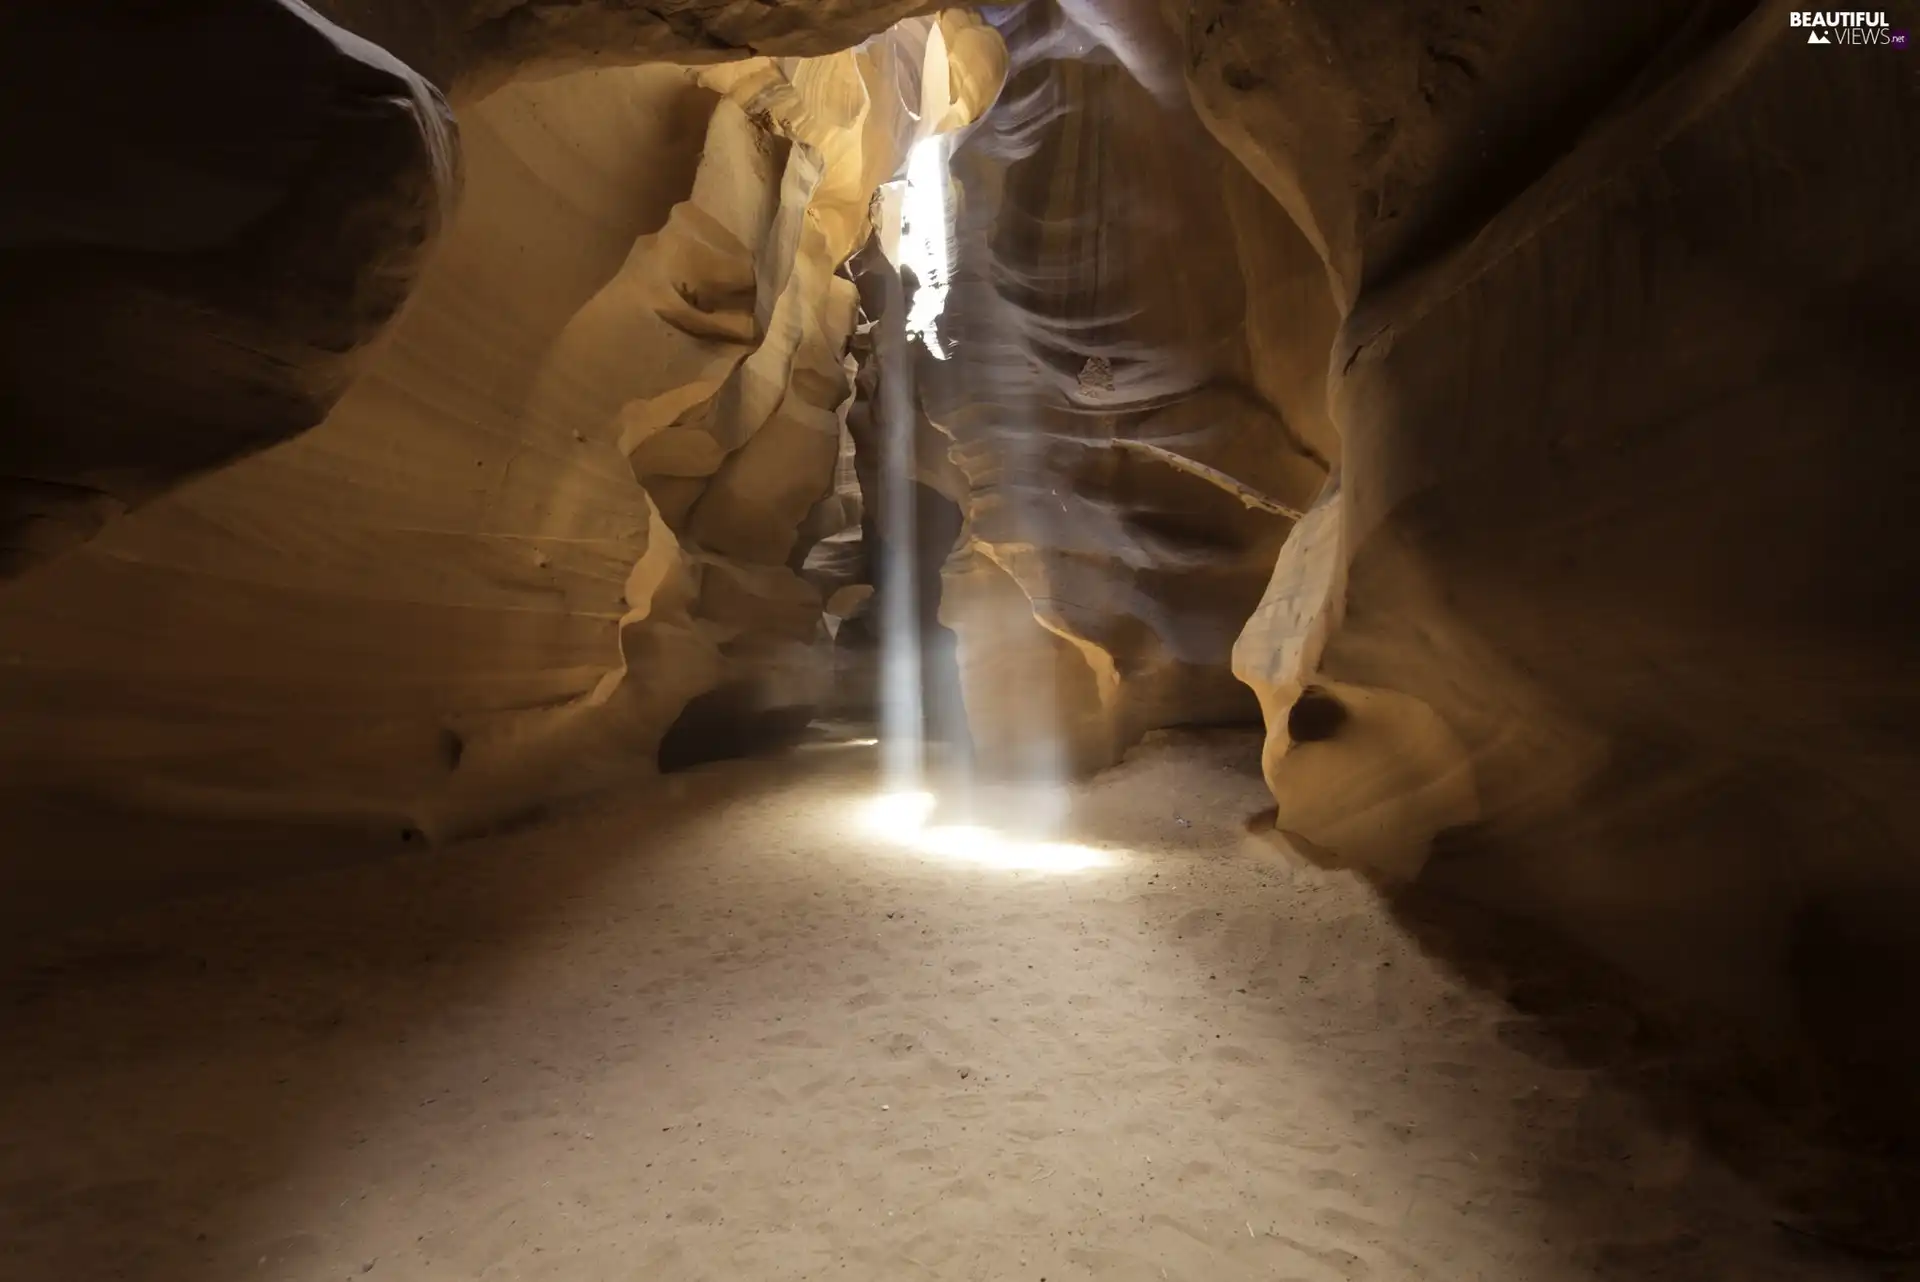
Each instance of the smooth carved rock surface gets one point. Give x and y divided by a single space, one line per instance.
222 206
1389 132
196 248
565 498
1371 779
474 46
1623 477
1131 471
776 427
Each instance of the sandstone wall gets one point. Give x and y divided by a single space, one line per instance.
565 496
219 205
207 217
1133 466
1613 580
475 46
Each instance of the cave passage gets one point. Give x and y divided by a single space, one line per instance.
1074 640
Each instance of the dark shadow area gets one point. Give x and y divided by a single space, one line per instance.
71 860
1816 1107
191 255
727 724
191 1064
1817 1111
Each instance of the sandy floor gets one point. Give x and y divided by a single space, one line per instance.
752 1040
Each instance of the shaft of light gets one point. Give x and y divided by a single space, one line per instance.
926 246
902 721
926 239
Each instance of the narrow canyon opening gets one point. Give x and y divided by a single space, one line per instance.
1253 639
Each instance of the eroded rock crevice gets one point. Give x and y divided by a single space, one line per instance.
565 498
1129 473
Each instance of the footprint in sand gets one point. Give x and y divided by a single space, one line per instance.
1335 1262
1327 1180
701 1213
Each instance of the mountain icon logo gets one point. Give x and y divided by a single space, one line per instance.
1815 38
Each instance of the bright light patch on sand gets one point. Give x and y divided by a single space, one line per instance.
901 817
989 849
899 814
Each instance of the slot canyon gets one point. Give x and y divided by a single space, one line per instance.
850 639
